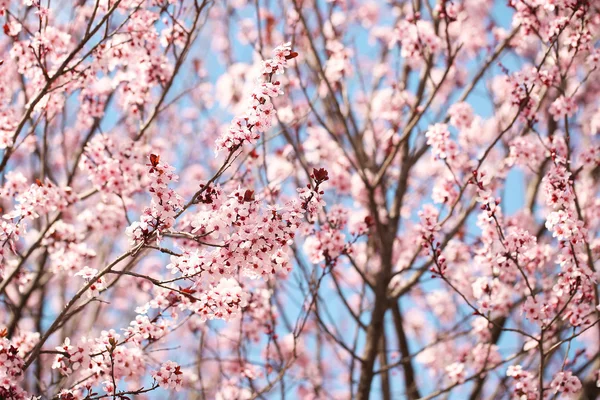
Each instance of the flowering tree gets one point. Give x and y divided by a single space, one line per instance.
318 199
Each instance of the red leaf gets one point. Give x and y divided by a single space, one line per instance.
292 54
154 159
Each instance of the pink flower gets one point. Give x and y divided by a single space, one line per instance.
563 107
169 376
456 372
566 384
259 115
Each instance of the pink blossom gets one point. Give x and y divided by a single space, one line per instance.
563 107
566 384
169 376
403 200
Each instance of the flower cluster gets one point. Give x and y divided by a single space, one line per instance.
461 115
97 357
429 222
566 384
169 376
438 137
11 371
329 243
456 372
143 328
259 114
526 386
70 358
90 276
160 216
563 107
67 249
41 198
114 165
557 187
417 40
225 300
338 64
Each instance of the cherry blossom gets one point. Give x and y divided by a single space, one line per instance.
169 376
566 384
328 199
